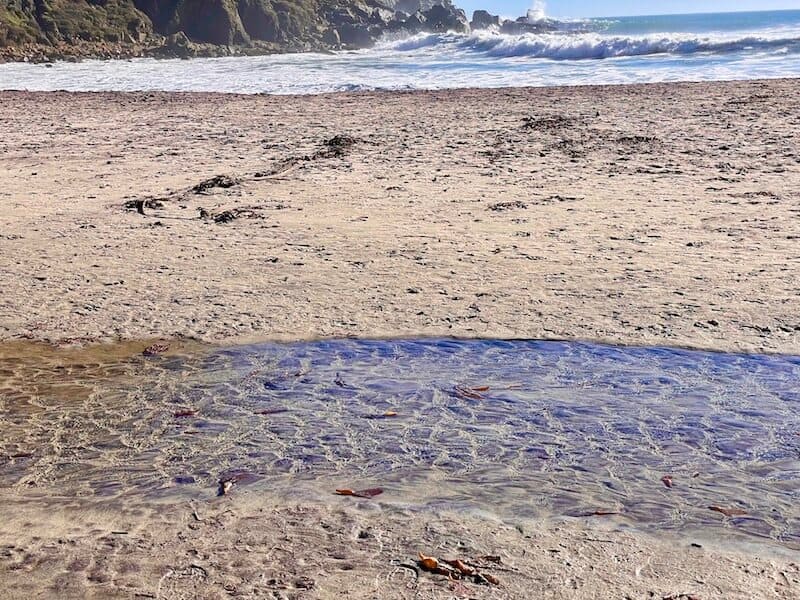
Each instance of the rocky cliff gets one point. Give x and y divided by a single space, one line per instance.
183 27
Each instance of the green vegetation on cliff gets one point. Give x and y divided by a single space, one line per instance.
244 24
50 21
223 22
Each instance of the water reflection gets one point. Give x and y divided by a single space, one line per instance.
520 429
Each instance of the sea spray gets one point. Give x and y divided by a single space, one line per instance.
537 12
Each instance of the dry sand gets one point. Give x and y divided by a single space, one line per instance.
661 214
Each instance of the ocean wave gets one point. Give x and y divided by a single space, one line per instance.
586 46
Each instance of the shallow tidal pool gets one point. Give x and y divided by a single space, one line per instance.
649 438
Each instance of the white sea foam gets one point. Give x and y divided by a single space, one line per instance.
584 46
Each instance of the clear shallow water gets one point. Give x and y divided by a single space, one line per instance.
564 429
600 51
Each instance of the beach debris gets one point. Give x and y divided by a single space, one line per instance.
667 480
504 206
469 393
155 349
336 147
368 493
225 486
428 563
461 567
305 583
387 415
728 512
456 569
227 216
21 455
486 578
230 478
202 570
601 512
218 181
140 204
548 123
181 414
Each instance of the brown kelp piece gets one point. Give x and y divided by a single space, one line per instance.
461 567
601 512
728 512
432 565
181 414
429 563
486 579
469 393
368 493
456 569
386 415
492 558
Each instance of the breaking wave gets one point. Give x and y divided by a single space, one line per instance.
587 46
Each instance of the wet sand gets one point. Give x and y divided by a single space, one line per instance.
249 548
661 215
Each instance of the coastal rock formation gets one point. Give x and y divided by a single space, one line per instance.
525 25
246 25
482 19
441 19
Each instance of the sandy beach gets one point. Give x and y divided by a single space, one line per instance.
658 214
663 214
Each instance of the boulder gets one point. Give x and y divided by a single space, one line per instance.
358 36
212 21
416 23
260 21
522 25
179 46
440 19
482 19
332 38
